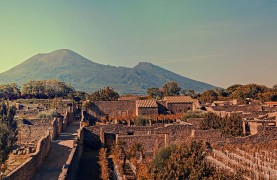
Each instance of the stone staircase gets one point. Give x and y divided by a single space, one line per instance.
128 174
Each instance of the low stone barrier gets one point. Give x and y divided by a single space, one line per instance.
29 167
70 169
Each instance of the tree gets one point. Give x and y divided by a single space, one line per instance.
275 88
232 88
141 121
171 89
229 125
249 91
154 93
46 89
9 91
105 94
185 161
8 131
208 96
184 92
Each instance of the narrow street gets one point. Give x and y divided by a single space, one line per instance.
58 155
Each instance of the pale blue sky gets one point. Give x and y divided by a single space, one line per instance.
221 42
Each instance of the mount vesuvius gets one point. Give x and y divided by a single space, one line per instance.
89 76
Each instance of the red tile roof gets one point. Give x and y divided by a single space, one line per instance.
178 99
146 103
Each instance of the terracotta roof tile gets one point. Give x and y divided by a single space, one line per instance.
178 99
146 103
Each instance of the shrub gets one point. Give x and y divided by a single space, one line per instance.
141 121
192 114
47 114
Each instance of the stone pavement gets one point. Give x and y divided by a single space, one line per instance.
58 155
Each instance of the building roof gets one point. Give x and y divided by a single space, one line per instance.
178 99
128 98
146 103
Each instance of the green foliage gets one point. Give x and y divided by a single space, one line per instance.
155 93
186 161
249 91
9 91
161 158
171 89
141 121
275 88
105 94
192 114
233 88
209 96
229 125
46 89
47 114
78 96
241 92
8 131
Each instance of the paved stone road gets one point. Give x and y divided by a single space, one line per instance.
60 150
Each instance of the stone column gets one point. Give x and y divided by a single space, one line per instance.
243 127
150 122
166 140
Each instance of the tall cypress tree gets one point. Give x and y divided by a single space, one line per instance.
8 130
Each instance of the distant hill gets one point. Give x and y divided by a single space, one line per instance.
89 76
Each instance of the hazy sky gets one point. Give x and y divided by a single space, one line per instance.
221 42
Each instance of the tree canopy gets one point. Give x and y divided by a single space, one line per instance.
171 89
105 94
154 93
185 161
229 125
46 89
9 91
8 130
242 92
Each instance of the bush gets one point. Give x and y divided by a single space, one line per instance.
47 114
229 125
141 121
192 114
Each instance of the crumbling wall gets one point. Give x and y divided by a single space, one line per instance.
33 133
112 108
29 167
71 167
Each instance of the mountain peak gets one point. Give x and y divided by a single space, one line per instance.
144 65
85 75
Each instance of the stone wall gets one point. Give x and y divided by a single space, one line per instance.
147 111
179 108
71 167
29 167
33 133
56 128
112 108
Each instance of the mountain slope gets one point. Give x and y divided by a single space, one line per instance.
88 76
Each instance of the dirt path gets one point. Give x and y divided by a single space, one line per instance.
60 150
